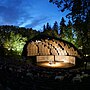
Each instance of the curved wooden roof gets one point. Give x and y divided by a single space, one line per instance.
44 45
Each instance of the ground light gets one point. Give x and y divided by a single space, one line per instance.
55 64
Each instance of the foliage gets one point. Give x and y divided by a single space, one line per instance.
67 32
79 12
13 38
62 28
49 31
77 8
55 27
25 32
15 43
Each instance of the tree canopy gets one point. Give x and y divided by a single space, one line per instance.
79 12
78 8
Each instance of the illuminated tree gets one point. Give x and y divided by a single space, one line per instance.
15 43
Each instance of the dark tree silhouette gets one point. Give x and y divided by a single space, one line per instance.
79 11
69 30
44 27
62 28
77 8
48 27
55 27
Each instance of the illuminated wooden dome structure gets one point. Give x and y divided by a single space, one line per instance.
53 51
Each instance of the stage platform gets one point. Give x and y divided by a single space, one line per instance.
55 64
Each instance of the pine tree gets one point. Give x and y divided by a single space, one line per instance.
55 27
48 27
62 28
44 28
47 30
69 31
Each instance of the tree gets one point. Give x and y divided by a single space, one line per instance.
62 28
48 27
2 51
47 30
77 8
55 27
79 11
78 28
69 31
44 27
15 43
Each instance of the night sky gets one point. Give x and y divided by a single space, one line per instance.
29 13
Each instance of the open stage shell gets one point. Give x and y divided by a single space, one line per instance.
49 49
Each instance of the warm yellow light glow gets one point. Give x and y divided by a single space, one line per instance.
55 64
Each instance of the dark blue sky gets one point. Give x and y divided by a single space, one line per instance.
29 13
